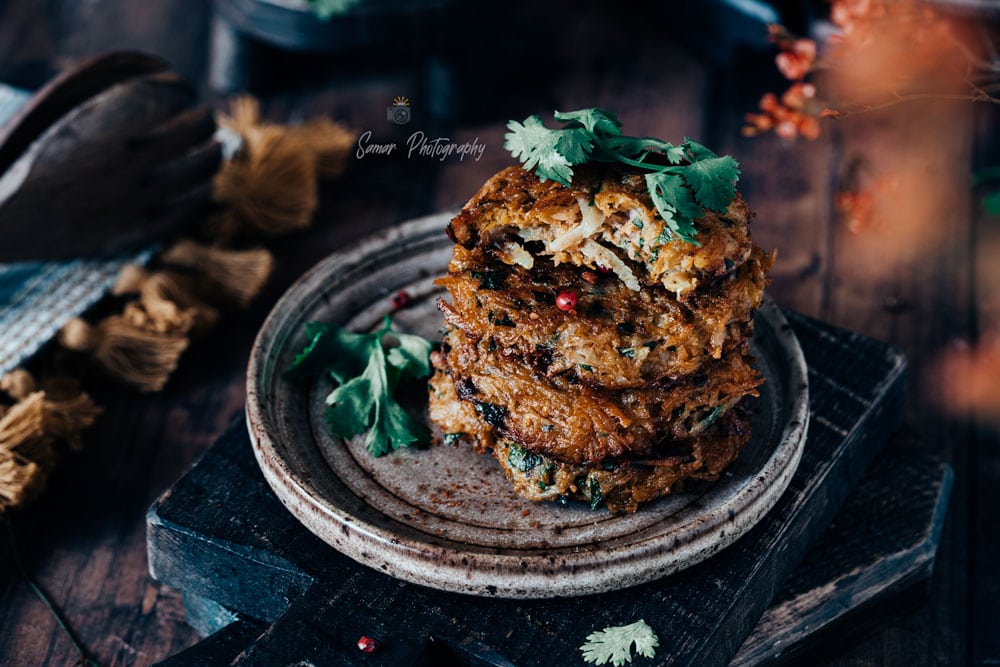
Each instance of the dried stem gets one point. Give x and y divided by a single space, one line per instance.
980 96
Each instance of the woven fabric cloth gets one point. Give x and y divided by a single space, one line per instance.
38 298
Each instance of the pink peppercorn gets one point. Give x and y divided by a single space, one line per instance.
566 301
368 645
400 299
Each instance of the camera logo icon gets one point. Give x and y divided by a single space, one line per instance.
399 112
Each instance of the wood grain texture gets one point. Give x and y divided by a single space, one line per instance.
235 544
794 214
880 545
85 538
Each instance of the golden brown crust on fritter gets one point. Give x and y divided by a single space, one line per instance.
605 218
637 387
569 421
623 484
615 337
454 416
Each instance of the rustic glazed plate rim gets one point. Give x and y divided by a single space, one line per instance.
499 573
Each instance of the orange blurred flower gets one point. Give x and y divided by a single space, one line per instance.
844 13
856 209
859 209
885 52
797 60
967 379
889 48
799 95
793 115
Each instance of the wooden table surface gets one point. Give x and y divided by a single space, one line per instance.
84 541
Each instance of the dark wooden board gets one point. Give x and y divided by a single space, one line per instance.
881 544
869 562
220 534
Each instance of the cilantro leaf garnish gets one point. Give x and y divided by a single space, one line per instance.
675 203
592 120
537 147
614 644
683 180
713 181
367 374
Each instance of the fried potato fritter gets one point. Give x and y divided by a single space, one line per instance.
623 485
606 213
572 422
620 484
615 337
595 355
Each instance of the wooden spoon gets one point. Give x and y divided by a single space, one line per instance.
112 155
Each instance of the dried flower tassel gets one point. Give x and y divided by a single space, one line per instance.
18 384
330 142
29 428
20 480
133 356
64 410
22 422
66 418
22 431
177 322
130 280
244 114
237 274
269 187
166 302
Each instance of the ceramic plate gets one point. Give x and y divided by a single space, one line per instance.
446 517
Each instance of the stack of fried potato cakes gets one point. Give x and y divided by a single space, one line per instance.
596 355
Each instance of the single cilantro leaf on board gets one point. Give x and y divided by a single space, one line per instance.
614 644
367 375
596 121
713 181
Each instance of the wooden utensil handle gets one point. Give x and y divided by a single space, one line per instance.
71 88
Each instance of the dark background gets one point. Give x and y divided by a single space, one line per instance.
666 74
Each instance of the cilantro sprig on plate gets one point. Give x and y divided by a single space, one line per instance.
684 180
367 368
